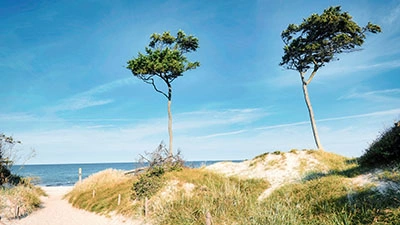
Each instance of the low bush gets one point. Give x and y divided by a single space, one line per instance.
385 150
151 181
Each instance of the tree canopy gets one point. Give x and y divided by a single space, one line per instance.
164 58
319 38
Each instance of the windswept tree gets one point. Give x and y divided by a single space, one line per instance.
165 60
317 41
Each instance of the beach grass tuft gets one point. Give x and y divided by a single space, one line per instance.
20 200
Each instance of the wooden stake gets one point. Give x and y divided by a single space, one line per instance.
119 199
208 219
146 206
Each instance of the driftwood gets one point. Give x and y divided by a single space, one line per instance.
136 171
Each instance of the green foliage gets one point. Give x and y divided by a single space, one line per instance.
385 150
152 180
165 58
148 184
277 152
6 147
319 38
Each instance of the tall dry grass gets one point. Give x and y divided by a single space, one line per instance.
20 200
100 192
328 195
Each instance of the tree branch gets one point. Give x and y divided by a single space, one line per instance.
316 67
151 81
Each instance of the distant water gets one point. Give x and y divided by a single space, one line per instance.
67 174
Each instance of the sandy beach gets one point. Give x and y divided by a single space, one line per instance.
57 211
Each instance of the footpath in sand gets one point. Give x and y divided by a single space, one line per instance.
57 211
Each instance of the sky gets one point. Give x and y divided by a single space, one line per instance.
66 94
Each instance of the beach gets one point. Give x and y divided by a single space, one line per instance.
57 211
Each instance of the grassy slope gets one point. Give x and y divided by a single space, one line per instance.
24 196
324 188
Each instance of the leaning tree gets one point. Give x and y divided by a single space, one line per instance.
317 41
165 60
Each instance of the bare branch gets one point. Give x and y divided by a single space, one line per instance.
313 73
151 81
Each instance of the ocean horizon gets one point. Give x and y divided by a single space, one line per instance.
68 174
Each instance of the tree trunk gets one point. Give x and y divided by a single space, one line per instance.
170 128
311 114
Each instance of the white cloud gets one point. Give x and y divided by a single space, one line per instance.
393 16
282 125
374 95
88 98
20 117
208 118
202 137
334 70
222 134
393 112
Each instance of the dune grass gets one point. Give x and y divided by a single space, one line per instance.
99 193
25 196
328 196
330 200
227 199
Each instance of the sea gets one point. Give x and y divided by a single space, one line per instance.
68 174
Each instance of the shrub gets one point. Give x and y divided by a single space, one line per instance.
6 147
159 162
385 150
148 184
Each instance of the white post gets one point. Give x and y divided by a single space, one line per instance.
146 207
80 175
208 219
119 199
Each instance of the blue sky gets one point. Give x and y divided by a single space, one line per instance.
66 93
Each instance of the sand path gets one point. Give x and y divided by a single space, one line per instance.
57 211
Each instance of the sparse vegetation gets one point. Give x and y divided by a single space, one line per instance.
7 144
277 153
18 196
24 197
